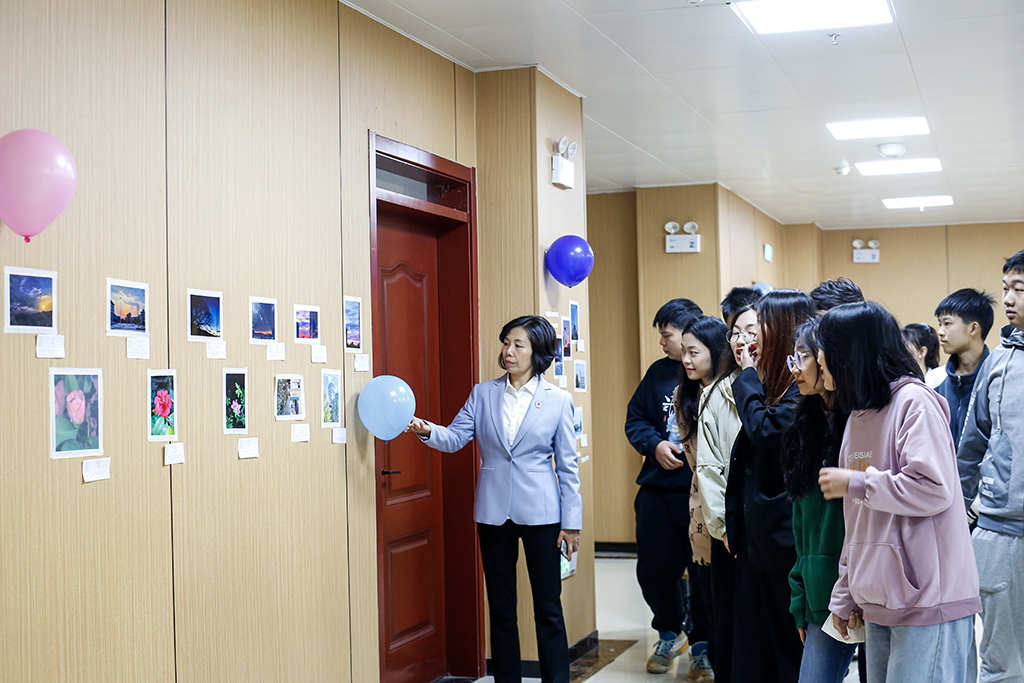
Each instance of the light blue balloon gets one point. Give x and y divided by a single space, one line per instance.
386 405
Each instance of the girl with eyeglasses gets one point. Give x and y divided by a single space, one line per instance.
907 566
810 444
703 347
758 512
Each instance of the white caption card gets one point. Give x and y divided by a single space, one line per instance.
362 362
137 347
49 346
174 454
300 432
339 435
318 353
275 351
580 346
563 381
96 469
217 349
552 314
584 458
583 440
249 447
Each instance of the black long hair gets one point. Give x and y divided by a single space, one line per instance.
814 438
923 336
865 352
711 332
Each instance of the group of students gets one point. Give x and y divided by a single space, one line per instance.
806 478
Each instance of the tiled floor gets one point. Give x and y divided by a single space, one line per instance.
623 615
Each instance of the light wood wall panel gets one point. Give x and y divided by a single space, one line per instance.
911 278
253 206
767 230
465 116
564 212
85 569
662 276
974 258
738 226
615 355
802 256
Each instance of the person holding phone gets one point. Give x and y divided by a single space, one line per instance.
528 490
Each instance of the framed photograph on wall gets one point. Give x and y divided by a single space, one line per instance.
204 315
128 302
566 340
330 398
76 412
262 320
30 300
236 387
289 397
307 324
163 405
579 384
574 319
353 324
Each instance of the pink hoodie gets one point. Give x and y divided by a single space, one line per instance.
907 557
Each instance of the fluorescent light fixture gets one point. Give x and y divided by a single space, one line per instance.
878 128
898 166
785 16
918 202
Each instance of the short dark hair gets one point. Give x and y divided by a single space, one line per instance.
971 306
865 352
542 340
739 300
711 332
1015 262
677 313
831 293
922 336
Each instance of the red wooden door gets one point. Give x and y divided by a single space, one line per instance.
410 512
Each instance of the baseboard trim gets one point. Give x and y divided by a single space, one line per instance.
615 548
531 667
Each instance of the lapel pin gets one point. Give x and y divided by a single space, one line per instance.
538 404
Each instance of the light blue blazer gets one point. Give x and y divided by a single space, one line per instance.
519 482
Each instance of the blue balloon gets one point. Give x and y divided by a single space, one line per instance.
386 405
762 288
570 260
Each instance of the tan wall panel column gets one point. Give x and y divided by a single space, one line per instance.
802 256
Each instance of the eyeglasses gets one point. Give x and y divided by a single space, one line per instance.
796 361
740 337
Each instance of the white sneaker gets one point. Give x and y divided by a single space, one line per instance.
667 648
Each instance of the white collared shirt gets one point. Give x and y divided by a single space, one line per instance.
515 404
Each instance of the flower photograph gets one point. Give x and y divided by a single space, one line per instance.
235 416
163 405
204 315
127 308
30 300
330 398
289 398
76 412
262 320
307 324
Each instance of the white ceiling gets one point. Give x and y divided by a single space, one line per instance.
680 94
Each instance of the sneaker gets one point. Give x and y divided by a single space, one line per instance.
700 664
665 651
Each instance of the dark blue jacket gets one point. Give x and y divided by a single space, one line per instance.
957 390
647 425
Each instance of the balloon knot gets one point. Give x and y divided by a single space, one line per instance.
27 240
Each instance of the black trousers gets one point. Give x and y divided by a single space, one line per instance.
723 591
766 645
499 549
663 555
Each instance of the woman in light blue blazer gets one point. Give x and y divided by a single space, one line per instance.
528 489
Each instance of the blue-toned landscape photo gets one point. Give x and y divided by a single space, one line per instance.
127 308
204 314
31 301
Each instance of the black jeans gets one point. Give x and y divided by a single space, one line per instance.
499 549
723 590
663 554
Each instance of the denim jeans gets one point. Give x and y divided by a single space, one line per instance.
918 654
825 659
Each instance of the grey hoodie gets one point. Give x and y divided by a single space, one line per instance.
992 445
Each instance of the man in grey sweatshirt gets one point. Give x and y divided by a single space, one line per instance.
991 454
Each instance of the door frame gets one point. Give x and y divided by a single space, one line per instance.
458 319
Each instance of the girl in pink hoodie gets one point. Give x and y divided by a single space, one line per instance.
907 567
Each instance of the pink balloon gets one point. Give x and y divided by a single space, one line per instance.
37 180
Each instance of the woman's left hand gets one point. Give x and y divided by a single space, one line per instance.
572 538
748 356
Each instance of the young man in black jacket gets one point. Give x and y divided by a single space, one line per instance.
662 507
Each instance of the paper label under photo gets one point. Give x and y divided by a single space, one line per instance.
76 412
50 346
30 300
339 435
129 305
249 448
300 432
96 470
217 349
318 353
137 347
361 363
174 454
275 351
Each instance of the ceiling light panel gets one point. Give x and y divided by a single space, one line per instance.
787 16
878 128
899 166
918 202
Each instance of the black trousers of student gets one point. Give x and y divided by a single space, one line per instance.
766 645
663 554
499 549
723 592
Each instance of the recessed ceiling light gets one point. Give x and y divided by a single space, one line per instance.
785 16
878 128
918 202
898 166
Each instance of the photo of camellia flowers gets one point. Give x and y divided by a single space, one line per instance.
163 406
77 418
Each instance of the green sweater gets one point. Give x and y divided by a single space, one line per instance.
819 529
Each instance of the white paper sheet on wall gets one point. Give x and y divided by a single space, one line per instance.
580 346
583 440
300 432
249 447
339 435
563 381
137 347
217 349
275 351
49 346
174 454
96 469
362 362
318 353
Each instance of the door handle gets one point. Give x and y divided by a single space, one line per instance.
384 472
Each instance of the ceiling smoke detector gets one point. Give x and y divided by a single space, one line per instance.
892 150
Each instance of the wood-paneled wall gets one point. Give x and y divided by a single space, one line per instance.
615 355
802 256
